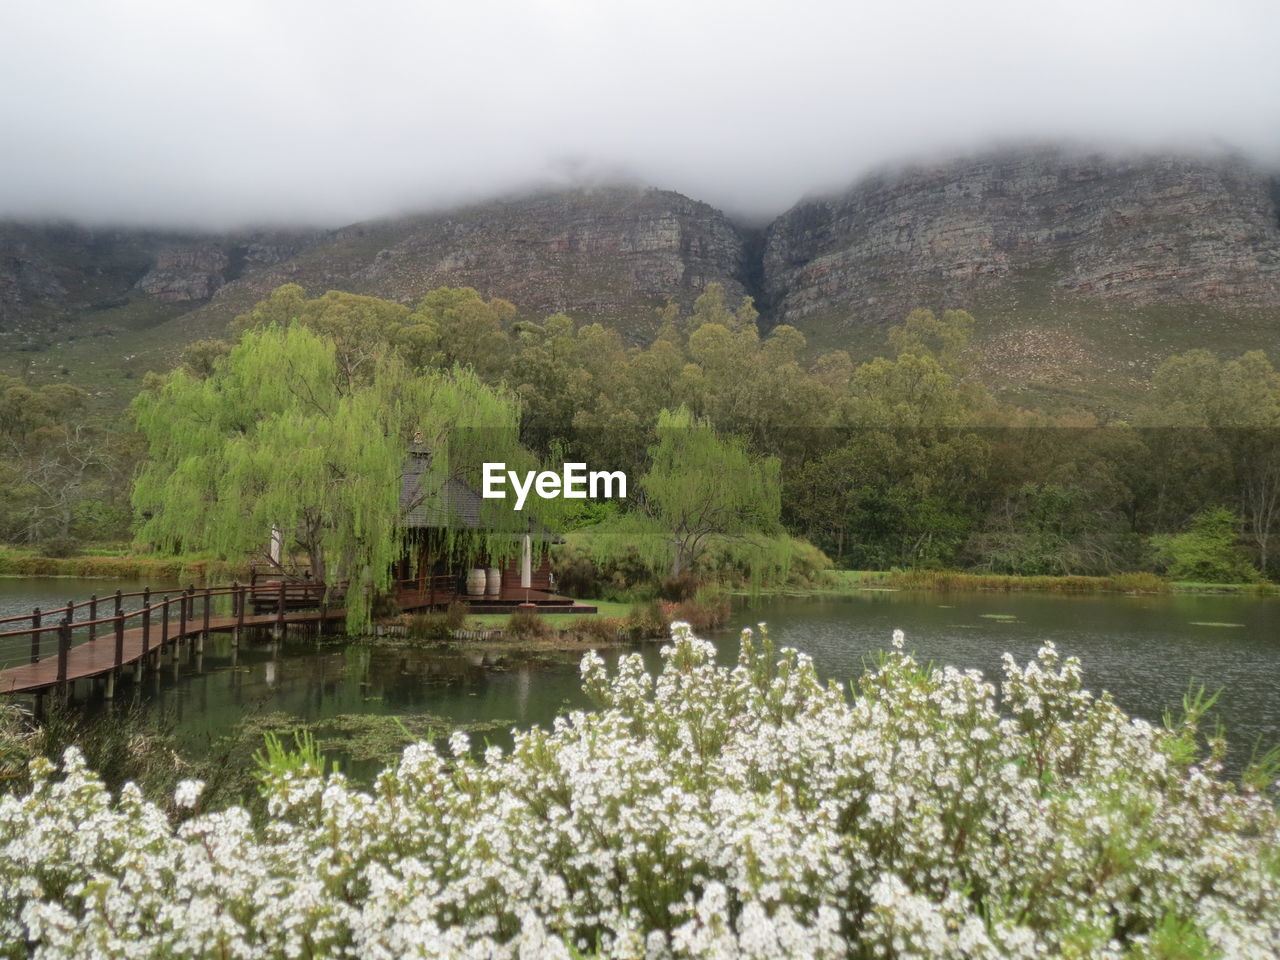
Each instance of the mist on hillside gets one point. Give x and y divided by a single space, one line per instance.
250 112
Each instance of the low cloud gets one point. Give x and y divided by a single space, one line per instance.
249 112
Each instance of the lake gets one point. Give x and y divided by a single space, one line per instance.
1145 651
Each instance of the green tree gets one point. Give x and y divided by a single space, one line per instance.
279 436
1208 552
946 339
700 490
59 471
701 486
471 330
897 486
1237 404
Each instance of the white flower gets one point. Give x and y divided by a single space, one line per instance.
459 744
744 802
188 793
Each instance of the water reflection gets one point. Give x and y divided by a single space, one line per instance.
1144 650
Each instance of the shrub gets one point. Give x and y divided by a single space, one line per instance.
711 811
617 574
384 607
59 547
646 620
1208 552
529 625
437 625
576 573
598 629
709 609
1138 583
808 564
679 588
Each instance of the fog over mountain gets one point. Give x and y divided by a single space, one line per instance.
218 115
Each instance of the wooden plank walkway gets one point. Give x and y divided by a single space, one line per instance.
97 657
115 643
123 638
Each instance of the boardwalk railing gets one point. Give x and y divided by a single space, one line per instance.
96 638
44 633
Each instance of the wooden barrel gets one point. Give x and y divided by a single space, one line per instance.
493 582
476 582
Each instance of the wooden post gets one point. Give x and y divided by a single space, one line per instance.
35 635
280 610
238 603
93 615
64 648
182 621
164 625
146 623
204 632
119 637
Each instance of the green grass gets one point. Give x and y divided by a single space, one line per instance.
1191 586
192 569
852 581
604 608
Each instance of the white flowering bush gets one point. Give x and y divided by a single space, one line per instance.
704 812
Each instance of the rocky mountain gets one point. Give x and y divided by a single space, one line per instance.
613 254
56 277
1135 231
1081 267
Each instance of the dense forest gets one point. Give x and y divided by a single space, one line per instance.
906 461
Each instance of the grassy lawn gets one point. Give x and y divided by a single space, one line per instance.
848 581
604 608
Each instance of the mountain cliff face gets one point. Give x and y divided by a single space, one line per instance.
1081 268
53 274
1134 232
613 254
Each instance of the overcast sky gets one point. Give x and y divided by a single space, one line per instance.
251 111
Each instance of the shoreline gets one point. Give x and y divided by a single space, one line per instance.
15 563
20 563
847 582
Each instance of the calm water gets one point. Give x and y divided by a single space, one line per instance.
1145 651
19 595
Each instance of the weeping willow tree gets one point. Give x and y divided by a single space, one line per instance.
277 438
701 492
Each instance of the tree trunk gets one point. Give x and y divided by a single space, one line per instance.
315 556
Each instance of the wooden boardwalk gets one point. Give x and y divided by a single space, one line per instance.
122 639
95 658
156 628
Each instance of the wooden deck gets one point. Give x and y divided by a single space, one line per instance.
157 627
95 658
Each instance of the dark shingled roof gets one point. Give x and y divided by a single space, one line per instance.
457 505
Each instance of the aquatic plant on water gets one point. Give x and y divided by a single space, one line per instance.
707 811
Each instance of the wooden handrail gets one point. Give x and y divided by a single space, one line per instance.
34 621
101 621
304 586
61 621
251 605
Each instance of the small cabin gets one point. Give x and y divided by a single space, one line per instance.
439 563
